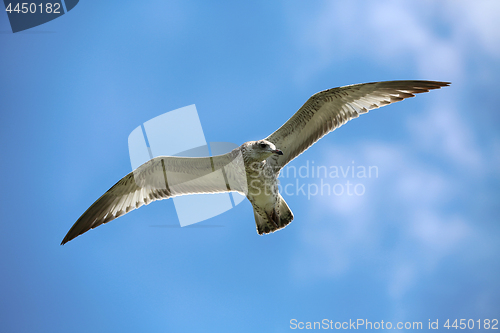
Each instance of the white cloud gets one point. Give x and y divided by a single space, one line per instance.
423 182
437 234
436 38
412 190
401 279
443 132
476 23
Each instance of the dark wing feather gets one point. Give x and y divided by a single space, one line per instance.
330 109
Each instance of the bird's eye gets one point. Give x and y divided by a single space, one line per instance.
263 145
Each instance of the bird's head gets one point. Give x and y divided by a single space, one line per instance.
258 151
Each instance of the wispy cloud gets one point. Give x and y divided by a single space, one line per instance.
434 38
442 131
423 209
409 197
475 23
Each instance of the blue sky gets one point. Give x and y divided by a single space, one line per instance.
421 243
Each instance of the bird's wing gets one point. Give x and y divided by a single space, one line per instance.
162 178
330 109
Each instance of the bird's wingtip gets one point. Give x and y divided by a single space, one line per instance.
66 239
441 83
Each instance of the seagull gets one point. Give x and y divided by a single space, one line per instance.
253 168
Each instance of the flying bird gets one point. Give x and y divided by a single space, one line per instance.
251 169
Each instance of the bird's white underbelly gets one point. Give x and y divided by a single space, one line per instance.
263 192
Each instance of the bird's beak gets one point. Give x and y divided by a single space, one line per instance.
277 151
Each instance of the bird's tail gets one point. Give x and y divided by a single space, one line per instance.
286 215
279 219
